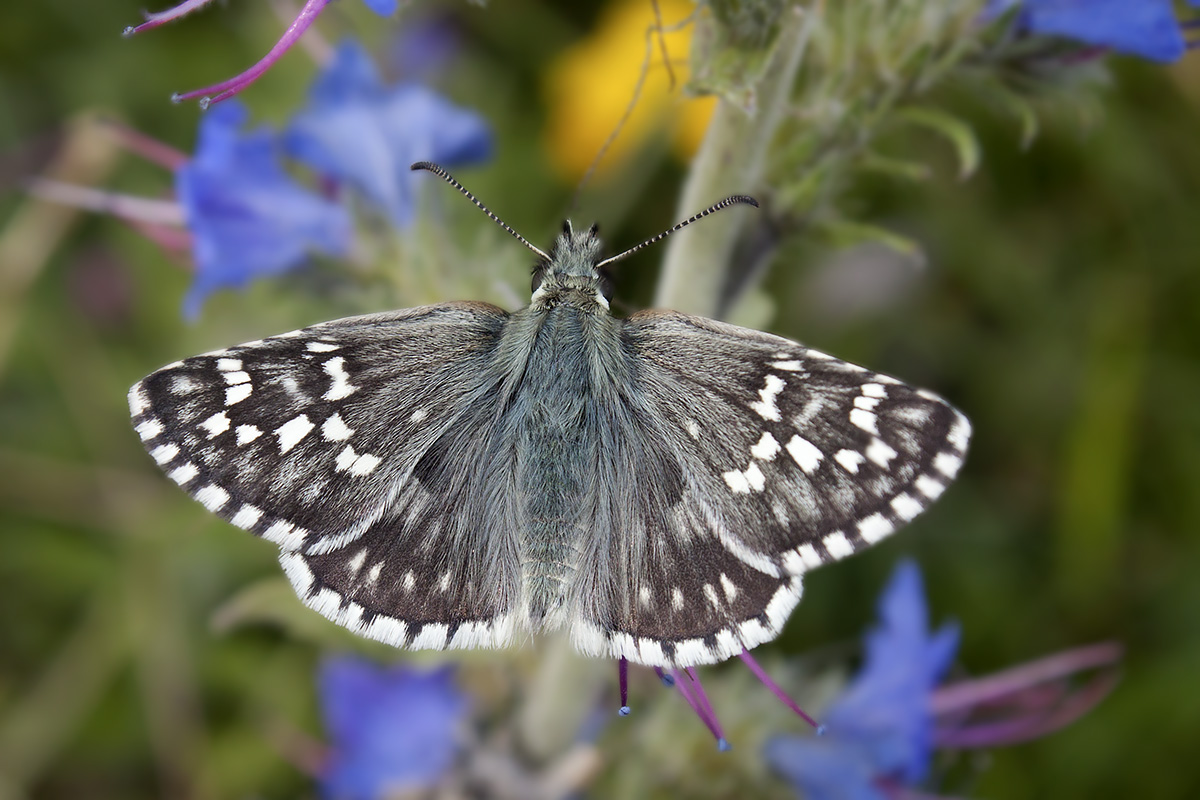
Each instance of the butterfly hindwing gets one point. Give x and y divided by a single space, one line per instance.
789 459
330 442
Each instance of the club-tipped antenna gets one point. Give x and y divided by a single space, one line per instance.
429 166
737 199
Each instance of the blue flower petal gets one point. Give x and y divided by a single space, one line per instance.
389 728
822 769
246 216
358 131
1146 28
885 710
384 8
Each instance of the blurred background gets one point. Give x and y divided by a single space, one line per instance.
1055 299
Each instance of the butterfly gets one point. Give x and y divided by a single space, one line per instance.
458 476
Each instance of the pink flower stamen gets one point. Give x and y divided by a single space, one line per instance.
151 149
693 692
623 676
226 89
128 207
153 20
761 674
1036 698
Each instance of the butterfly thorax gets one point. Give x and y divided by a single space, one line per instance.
570 276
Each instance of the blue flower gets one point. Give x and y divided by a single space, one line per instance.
384 8
364 133
882 725
391 728
1146 28
246 216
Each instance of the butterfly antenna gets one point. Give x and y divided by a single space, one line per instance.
737 199
429 166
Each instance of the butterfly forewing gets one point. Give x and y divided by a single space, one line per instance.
789 459
323 441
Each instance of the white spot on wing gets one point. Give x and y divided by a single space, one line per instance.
291 432
930 487
355 464
234 378
247 434
418 415
409 581
247 516
731 590
737 481
960 432
874 390
711 594
212 497
236 394
356 563
788 366
444 582
838 545
185 474
765 406
321 347
164 453
865 420
149 429
285 534
229 364
431 637
880 452
850 460
766 449
138 402
676 598
373 573
806 454
755 478
693 428
874 528
906 506
335 429
341 386
216 424
948 464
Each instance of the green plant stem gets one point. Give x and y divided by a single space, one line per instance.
732 158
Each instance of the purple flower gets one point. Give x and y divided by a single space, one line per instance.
359 131
222 91
1146 28
391 728
886 709
880 733
882 725
246 216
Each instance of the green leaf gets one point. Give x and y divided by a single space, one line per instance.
845 233
959 134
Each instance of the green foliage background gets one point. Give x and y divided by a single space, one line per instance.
1060 308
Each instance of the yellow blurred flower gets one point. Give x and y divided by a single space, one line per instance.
590 87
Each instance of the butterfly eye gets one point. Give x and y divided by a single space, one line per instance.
539 274
605 283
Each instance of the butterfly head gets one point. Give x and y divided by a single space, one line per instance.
570 275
